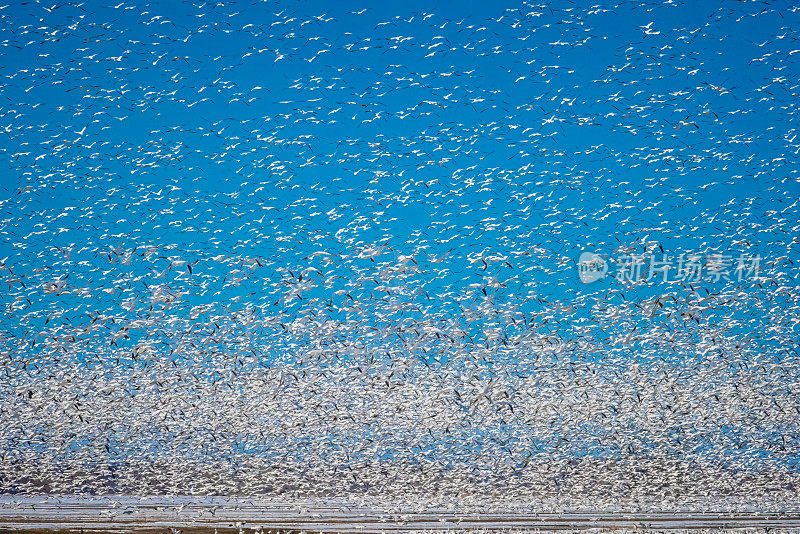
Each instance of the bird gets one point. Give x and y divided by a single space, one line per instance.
295 252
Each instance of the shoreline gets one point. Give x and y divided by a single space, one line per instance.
195 515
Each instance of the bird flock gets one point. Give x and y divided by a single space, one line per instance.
307 248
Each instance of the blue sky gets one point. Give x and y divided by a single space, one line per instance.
395 169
